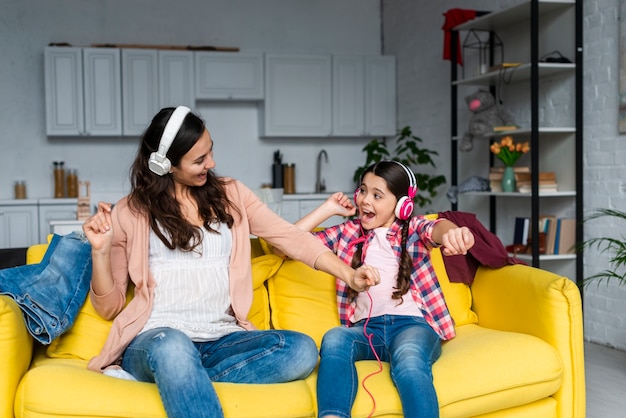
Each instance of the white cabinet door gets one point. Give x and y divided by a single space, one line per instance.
229 76
140 89
63 68
176 81
61 211
348 95
380 95
18 226
103 91
364 95
83 91
297 96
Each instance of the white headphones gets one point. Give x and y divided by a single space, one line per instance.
159 163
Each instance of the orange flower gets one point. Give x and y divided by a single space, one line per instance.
508 151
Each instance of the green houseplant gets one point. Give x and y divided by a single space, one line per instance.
615 247
407 150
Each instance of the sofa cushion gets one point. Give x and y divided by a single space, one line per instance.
78 392
88 334
303 299
458 295
484 370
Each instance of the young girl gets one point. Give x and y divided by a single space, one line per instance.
406 314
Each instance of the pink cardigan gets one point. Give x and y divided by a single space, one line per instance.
129 261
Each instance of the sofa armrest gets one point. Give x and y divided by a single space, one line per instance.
16 351
532 301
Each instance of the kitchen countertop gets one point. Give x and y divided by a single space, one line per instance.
310 196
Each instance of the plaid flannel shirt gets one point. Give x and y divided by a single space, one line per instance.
424 288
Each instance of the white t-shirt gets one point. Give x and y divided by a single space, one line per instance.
379 254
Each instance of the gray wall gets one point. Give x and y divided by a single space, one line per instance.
300 26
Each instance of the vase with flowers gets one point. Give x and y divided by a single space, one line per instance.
508 151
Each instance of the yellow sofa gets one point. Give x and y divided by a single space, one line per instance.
518 352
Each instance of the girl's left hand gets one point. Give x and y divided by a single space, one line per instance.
457 241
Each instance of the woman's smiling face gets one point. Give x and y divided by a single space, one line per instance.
375 202
193 167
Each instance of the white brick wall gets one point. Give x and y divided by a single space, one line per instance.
412 32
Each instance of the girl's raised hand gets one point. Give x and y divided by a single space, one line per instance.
340 204
457 241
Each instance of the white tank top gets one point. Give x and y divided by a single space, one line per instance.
192 287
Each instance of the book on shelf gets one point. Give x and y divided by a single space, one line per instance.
560 234
566 236
506 128
521 231
550 230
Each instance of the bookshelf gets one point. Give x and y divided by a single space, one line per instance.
545 99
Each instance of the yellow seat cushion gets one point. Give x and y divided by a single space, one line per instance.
86 337
64 387
483 370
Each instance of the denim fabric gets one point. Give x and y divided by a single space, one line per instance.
52 292
183 370
408 343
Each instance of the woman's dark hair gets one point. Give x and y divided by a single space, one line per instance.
398 183
153 195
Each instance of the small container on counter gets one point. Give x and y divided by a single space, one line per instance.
72 183
19 189
289 178
59 179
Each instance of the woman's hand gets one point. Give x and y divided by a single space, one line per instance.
98 228
457 241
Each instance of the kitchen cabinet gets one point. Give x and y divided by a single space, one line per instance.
297 96
140 89
545 100
228 76
176 79
294 207
83 91
364 95
18 223
51 210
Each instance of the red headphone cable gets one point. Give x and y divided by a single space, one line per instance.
380 364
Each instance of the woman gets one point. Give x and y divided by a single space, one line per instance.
182 237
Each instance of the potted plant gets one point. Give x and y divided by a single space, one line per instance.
406 150
615 247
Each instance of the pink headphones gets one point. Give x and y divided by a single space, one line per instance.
404 207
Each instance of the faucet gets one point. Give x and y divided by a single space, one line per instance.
320 186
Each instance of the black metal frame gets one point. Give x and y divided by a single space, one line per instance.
534 137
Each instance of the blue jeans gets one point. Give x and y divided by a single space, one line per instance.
51 293
408 343
183 370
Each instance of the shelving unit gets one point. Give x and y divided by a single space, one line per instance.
545 99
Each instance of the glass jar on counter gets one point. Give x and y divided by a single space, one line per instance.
71 187
19 189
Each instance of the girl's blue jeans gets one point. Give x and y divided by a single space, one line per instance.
408 343
184 370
